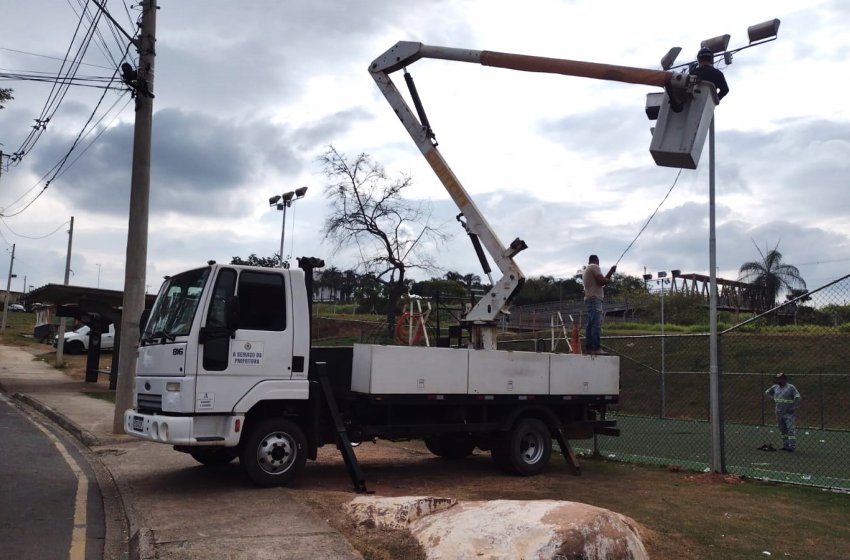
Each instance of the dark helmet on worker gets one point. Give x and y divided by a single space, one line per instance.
705 53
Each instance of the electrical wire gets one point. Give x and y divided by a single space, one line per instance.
35 76
676 180
53 58
64 78
59 168
29 237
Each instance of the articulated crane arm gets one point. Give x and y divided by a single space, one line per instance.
482 317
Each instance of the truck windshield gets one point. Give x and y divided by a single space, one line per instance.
175 306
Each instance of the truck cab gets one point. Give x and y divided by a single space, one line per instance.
218 340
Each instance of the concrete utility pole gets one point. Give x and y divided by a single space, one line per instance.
60 337
137 229
8 287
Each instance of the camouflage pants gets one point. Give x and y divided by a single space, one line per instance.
787 429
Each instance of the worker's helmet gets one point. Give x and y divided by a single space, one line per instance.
779 376
705 53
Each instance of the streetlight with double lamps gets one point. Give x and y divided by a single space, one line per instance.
758 34
282 202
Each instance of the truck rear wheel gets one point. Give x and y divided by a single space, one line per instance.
274 452
211 456
526 450
450 446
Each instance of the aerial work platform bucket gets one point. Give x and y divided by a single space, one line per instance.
678 138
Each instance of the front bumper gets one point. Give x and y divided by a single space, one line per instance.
212 430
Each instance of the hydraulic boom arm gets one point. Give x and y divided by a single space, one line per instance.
483 315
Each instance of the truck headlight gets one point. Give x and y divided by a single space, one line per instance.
173 386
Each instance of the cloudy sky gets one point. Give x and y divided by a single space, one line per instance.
248 94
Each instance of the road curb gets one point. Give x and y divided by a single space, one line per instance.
140 544
85 436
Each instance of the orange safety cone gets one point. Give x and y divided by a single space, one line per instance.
574 340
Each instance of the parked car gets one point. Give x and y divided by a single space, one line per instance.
77 341
17 307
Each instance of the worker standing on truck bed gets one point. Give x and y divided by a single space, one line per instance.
593 293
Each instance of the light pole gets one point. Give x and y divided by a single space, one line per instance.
757 34
98 274
662 279
8 287
282 202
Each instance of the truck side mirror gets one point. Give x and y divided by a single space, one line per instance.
232 305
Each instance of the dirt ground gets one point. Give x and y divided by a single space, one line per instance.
683 514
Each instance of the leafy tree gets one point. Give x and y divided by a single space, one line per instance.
368 210
770 275
5 95
448 288
254 260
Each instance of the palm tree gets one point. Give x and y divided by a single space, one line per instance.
770 275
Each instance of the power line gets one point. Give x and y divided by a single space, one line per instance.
59 168
824 262
676 180
29 237
52 57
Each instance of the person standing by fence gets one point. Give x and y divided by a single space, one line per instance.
787 399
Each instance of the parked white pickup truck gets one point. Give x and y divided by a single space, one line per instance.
77 341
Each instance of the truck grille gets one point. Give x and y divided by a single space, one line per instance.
149 402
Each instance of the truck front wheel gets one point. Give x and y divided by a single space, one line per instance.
526 450
274 452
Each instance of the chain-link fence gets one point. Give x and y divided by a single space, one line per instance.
663 411
664 395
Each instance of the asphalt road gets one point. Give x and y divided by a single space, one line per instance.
50 503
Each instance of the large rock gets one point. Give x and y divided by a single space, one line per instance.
507 529
393 513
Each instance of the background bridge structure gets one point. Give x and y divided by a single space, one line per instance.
732 295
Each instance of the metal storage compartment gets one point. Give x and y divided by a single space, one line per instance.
581 375
495 372
679 137
388 370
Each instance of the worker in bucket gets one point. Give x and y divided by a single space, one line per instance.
706 71
593 292
787 399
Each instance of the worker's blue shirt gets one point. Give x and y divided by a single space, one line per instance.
787 398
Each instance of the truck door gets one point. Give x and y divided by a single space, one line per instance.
262 346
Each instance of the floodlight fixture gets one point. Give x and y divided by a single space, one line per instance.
300 192
273 200
647 276
653 105
765 31
717 44
662 274
668 59
288 196
676 272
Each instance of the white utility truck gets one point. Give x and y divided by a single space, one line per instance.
226 368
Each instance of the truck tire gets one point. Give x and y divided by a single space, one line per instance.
450 446
76 347
211 456
274 452
526 449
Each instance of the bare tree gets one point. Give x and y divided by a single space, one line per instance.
368 210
